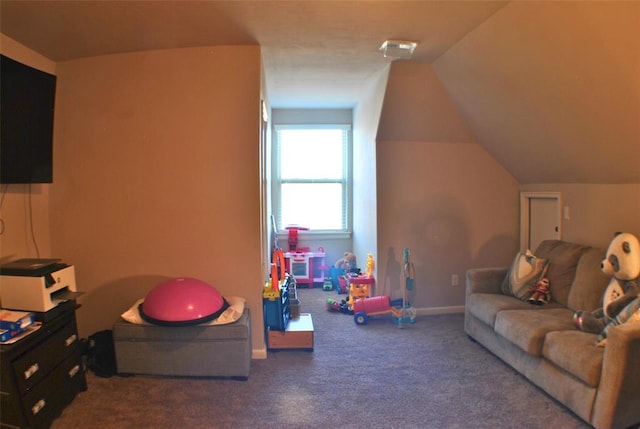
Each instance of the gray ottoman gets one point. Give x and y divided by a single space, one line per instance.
194 351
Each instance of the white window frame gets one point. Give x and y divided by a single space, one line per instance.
346 179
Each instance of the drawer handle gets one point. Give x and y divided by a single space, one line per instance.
32 370
73 371
72 339
38 406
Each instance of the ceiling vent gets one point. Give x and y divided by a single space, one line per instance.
398 49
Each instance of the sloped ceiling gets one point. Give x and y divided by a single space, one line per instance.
550 89
316 53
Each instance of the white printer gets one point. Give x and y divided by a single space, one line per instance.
37 285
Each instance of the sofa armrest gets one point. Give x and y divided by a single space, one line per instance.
485 280
618 402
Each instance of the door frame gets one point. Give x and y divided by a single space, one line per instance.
525 205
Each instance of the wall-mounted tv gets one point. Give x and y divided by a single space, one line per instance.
27 97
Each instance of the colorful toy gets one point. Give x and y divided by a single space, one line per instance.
272 286
328 284
370 265
541 293
400 309
293 236
343 286
377 305
623 263
347 262
407 315
409 272
631 313
335 306
359 287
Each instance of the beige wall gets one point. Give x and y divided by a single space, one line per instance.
439 193
596 212
366 117
453 206
158 176
25 208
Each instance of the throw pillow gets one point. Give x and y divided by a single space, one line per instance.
524 273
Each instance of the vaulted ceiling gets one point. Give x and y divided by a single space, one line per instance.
550 89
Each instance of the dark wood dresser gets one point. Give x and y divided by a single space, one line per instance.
41 373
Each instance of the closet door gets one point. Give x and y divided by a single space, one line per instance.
540 218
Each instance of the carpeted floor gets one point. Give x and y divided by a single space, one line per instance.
426 375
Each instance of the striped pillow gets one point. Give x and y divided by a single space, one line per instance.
524 273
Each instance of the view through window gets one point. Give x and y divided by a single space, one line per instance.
312 172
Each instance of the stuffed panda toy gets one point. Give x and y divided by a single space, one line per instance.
622 262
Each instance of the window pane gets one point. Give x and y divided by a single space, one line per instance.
311 154
303 204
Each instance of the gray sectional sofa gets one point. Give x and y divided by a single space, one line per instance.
599 384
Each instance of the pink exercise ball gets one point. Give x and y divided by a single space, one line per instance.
181 302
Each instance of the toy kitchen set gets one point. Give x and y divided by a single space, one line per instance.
306 266
44 287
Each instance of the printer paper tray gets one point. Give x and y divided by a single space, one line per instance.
64 295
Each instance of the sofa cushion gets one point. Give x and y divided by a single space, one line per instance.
485 306
563 259
527 328
575 352
589 283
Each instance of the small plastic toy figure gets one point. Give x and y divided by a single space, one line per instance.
370 264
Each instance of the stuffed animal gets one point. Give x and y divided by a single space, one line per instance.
540 293
347 262
622 261
629 314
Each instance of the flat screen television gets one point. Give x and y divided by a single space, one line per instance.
27 97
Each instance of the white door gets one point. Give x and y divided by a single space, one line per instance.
540 215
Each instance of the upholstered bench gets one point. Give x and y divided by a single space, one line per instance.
193 351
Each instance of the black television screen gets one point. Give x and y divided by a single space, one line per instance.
27 97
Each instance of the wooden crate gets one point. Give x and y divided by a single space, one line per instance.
298 335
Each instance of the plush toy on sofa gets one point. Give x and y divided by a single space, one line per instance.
629 314
347 262
622 261
541 293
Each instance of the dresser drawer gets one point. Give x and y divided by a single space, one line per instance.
45 401
34 365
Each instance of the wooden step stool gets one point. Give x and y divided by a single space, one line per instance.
298 335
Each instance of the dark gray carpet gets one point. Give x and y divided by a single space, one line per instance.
426 375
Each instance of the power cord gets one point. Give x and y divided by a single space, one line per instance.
5 187
33 233
4 190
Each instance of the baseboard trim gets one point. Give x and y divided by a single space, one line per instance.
259 353
432 311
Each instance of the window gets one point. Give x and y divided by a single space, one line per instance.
312 176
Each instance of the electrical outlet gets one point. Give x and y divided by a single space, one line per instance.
455 280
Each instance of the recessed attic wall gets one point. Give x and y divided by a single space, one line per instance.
439 193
